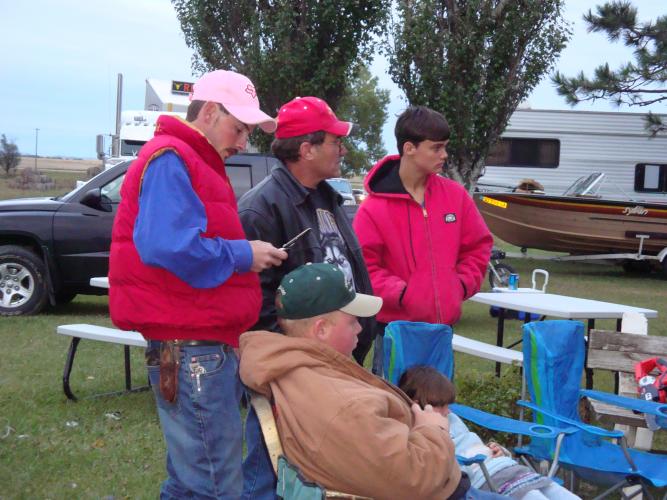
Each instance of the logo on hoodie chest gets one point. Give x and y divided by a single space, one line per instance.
449 218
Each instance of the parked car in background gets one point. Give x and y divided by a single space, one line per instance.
344 187
359 195
51 247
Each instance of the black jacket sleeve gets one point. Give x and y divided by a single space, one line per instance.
258 226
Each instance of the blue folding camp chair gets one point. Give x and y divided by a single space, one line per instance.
407 344
553 356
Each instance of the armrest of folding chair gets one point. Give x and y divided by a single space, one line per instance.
477 459
639 405
573 423
509 425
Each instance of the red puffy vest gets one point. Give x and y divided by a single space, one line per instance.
154 301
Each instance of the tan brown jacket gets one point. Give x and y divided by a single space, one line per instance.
345 428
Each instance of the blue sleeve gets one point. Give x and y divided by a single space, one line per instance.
169 225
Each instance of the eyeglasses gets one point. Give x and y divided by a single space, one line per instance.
338 144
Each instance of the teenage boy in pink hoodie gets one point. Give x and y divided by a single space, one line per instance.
425 243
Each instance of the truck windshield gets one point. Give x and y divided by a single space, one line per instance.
130 148
341 185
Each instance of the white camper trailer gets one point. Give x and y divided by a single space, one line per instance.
556 147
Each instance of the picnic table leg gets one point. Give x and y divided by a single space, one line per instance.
526 319
500 333
68 367
128 374
589 371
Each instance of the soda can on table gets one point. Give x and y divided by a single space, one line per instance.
513 282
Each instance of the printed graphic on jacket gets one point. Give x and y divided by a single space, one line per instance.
333 245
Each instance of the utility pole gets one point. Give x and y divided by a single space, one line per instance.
115 139
36 142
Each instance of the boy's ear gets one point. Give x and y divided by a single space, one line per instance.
320 329
408 148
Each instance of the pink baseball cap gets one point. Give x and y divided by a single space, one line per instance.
305 115
236 93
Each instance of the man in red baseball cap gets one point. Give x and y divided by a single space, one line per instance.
293 198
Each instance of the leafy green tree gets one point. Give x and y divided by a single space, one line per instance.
9 155
365 105
639 83
474 61
288 48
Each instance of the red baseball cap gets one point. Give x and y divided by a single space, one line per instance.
305 115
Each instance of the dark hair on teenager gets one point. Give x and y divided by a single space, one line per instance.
419 123
288 149
195 107
427 386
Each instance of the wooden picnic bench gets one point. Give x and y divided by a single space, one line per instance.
102 334
619 352
486 351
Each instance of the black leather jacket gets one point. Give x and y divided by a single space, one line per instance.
276 210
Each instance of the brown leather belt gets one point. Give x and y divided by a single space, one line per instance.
194 343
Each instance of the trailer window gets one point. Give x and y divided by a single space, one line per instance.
651 178
519 152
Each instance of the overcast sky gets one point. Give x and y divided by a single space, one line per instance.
59 62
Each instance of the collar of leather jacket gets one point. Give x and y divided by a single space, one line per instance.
296 191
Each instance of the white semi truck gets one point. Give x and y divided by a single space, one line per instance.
135 127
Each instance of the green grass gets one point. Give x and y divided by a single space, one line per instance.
44 458
65 182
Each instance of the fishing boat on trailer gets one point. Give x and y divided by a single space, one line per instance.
579 223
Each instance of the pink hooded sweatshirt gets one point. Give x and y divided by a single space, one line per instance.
423 261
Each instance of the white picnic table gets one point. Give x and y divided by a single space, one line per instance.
100 282
558 306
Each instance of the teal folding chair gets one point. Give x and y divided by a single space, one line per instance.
553 356
408 344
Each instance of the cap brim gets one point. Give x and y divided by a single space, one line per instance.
363 305
339 128
253 116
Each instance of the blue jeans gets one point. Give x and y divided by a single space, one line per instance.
202 428
259 480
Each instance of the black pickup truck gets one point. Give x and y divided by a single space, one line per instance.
51 247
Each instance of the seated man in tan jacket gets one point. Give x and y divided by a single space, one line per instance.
342 426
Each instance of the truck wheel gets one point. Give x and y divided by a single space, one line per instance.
22 281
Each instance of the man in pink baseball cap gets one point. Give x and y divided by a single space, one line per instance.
296 197
183 273
237 94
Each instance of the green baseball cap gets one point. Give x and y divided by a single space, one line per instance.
314 289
